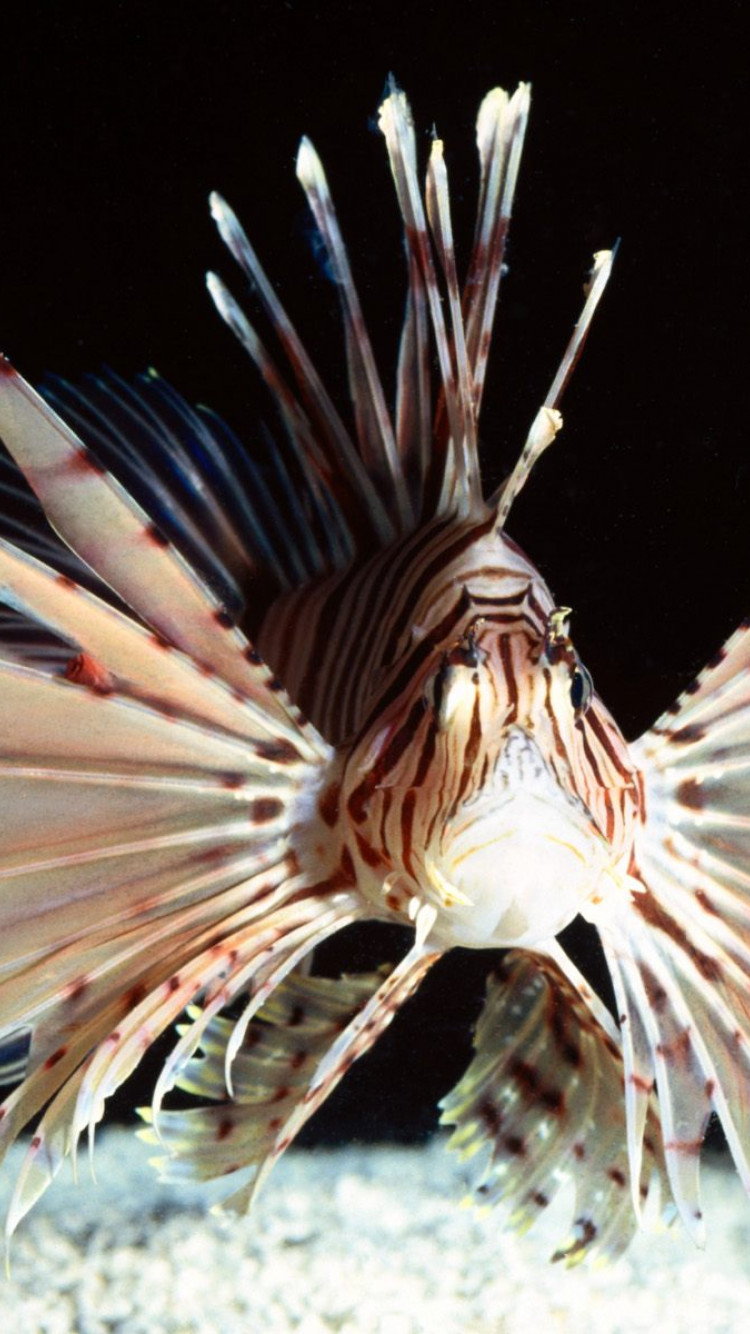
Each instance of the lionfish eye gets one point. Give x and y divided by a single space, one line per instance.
455 681
581 689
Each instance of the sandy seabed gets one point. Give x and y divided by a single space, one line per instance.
358 1240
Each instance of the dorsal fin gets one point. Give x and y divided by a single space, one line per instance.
388 479
548 420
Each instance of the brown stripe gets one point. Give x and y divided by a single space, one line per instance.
506 659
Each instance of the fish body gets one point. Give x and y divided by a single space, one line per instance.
244 707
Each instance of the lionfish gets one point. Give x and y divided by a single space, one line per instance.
409 736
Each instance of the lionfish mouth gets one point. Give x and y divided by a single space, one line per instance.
519 860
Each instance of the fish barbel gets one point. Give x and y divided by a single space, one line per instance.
407 735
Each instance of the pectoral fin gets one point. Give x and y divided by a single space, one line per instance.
542 1102
679 951
294 1052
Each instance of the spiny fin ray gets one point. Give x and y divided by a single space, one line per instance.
678 949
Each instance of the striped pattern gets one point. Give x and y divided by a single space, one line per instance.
173 822
410 736
362 652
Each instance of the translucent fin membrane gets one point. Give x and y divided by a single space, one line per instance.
97 518
166 679
23 521
271 1072
153 801
678 948
262 947
285 1063
181 465
542 1105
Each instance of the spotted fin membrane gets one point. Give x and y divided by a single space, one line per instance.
542 1105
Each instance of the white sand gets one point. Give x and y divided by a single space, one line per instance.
361 1241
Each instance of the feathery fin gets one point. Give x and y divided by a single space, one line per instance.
97 518
270 1073
291 1056
542 1104
678 949
152 853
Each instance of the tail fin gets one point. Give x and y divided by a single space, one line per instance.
679 951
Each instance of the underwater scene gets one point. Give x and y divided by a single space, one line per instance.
374 662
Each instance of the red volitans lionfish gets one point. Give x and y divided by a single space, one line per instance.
245 704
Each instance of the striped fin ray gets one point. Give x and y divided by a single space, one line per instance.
541 1105
501 128
108 959
23 522
53 1142
321 473
270 1074
112 966
362 1031
548 420
124 736
264 948
396 124
138 660
261 948
184 466
316 431
413 394
149 855
111 806
439 215
678 946
463 352
345 1018
95 516
377 445
430 465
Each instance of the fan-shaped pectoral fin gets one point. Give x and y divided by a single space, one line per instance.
542 1103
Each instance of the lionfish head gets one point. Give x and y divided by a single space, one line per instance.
475 788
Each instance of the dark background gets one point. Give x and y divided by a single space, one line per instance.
119 119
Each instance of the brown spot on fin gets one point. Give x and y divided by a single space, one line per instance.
527 1096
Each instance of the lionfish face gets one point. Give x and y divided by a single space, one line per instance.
474 799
